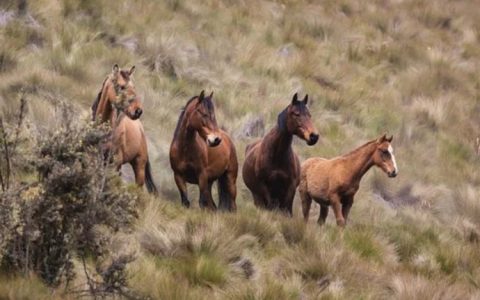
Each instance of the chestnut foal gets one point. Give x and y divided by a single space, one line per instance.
335 181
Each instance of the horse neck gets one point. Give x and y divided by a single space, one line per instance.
361 160
185 137
279 143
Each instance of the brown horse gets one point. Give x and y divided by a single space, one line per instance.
271 169
201 153
335 181
118 104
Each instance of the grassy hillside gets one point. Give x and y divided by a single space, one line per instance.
410 68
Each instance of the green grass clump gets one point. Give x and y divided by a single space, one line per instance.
363 242
205 270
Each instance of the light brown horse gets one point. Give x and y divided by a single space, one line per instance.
271 169
335 181
118 104
201 153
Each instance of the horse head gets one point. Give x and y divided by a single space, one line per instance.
201 118
383 156
118 91
124 94
297 120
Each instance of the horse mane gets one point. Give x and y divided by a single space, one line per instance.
97 100
124 74
356 150
207 102
282 119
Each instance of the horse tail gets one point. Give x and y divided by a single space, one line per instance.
151 188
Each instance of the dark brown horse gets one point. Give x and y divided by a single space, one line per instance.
118 104
335 181
272 170
201 153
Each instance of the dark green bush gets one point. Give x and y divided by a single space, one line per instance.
47 223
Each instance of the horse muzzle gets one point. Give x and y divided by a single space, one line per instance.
137 113
213 141
392 174
312 139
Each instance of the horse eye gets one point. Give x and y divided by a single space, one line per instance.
122 87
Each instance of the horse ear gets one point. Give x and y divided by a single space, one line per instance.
390 139
201 96
211 95
382 139
132 70
305 100
115 69
295 99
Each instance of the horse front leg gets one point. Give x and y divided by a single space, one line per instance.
306 201
138 166
182 188
322 217
206 200
287 204
265 194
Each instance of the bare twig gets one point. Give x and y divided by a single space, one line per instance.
89 280
478 146
21 116
5 180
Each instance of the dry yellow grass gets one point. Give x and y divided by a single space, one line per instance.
410 68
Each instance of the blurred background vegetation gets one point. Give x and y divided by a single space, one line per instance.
409 68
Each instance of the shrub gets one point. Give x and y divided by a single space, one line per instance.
53 220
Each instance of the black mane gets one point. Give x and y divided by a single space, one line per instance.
207 103
282 117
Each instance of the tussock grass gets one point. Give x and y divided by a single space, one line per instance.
408 68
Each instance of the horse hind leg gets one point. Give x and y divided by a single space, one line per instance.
206 200
306 203
259 201
227 192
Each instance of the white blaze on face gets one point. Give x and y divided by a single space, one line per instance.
390 150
